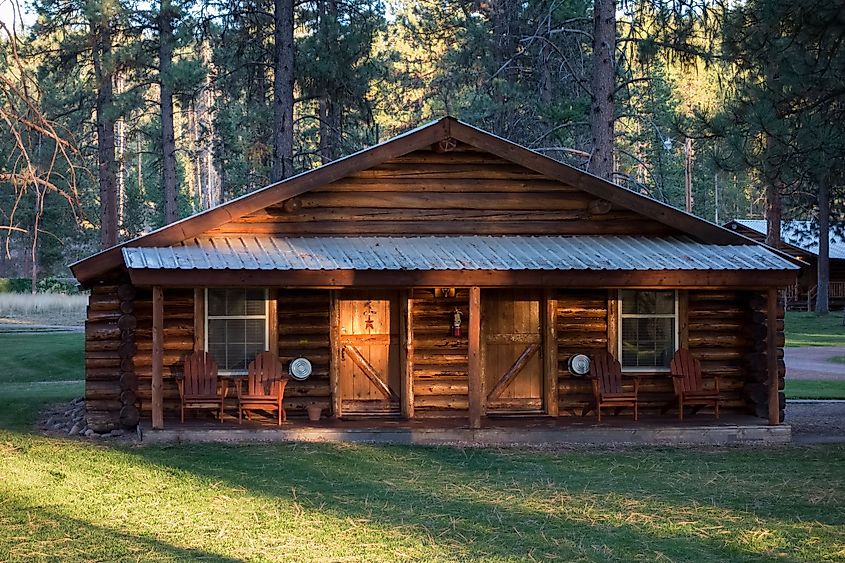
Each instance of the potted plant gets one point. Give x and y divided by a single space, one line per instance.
314 412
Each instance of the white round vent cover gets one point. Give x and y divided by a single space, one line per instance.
300 369
579 364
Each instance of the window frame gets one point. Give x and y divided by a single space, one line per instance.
676 333
266 318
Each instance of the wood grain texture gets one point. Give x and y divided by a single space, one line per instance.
158 359
474 367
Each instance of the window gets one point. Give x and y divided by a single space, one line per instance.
648 329
236 326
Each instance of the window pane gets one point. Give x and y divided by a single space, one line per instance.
235 302
647 302
216 302
647 342
255 304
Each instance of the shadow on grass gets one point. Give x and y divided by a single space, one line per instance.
42 534
483 503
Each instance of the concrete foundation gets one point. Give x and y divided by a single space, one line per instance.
721 435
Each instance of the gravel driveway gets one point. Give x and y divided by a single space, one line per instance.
811 362
816 421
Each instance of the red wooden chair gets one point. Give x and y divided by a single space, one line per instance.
265 390
198 385
689 384
608 390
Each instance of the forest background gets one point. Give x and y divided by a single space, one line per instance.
120 116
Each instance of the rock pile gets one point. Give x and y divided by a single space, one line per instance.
69 419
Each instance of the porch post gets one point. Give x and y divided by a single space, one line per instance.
474 358
406 366
334 359
771 355
158 358
199 319
550 351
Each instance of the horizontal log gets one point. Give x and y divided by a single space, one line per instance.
573 209
97 363
576 312
103 346
461 185
442 402
572 227
102 421
453 386
436 371
514 404
108 390
108 405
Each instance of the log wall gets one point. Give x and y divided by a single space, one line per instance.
460 192
439 359
581 329
178 343
725 330
303 328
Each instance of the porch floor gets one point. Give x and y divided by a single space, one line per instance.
695 430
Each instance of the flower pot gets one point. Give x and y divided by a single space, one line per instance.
314 412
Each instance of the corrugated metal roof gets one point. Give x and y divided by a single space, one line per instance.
453 253
803 234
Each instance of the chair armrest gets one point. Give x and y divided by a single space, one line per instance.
180 385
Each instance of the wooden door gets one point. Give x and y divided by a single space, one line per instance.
369 352
512 338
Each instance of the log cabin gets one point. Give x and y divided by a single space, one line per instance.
445 273
800 239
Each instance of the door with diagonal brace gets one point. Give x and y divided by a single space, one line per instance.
369 351
512 338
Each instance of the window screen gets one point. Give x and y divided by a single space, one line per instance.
647 328
236 326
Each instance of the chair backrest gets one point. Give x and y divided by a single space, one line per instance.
688 368
608 372
265 375
200 375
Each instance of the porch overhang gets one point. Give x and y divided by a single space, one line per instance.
438 261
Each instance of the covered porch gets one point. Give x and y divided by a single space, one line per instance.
377 316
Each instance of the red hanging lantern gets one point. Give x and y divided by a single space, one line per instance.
456 323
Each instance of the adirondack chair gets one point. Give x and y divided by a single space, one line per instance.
607 386
689 384
265 387
198 385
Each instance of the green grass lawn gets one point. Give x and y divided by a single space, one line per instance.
37 369
37 356
86 500
809 329
76 500
814 389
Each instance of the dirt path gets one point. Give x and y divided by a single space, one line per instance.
811 362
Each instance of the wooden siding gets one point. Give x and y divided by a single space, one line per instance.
178 342
582 327
725 330
303 328
439 359
460 192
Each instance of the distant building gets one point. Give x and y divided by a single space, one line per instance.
801 240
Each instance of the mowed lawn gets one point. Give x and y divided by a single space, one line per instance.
84 500
809 329
38 368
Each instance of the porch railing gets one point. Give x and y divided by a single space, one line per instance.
835 290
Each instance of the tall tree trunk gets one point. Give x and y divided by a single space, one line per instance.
283 91
39 211
168 137
822 304
105 118
773 213
603 84
328 110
